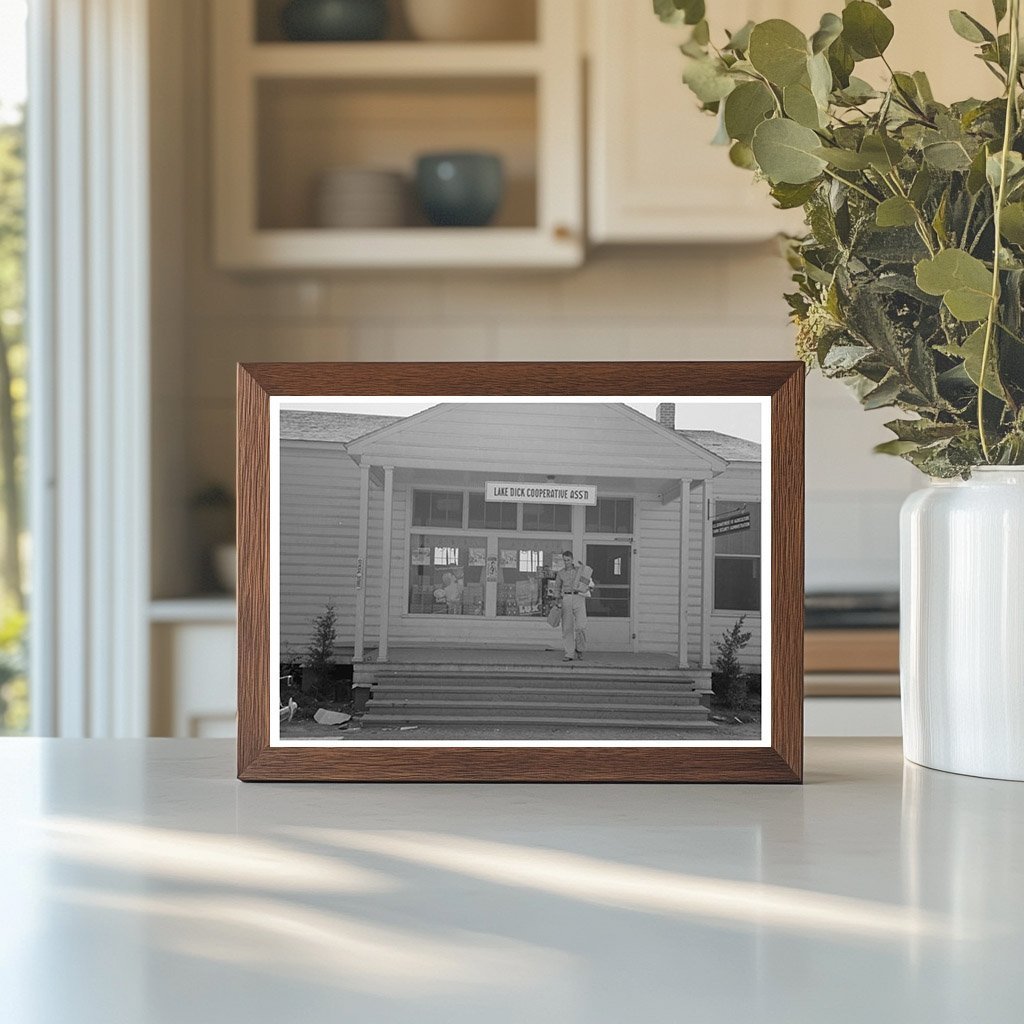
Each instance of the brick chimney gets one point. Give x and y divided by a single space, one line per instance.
667 415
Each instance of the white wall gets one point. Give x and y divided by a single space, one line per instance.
702 303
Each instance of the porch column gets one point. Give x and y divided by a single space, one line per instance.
707 583
364 524
684 569
385 583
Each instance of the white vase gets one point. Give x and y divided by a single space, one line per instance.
962 624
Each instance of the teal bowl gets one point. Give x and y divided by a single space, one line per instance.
460 190
334 21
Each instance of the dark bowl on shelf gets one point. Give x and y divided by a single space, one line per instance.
334 21
461 190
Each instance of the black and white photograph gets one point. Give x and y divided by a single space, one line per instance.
566 571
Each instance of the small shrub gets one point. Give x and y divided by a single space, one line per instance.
732 681
320 652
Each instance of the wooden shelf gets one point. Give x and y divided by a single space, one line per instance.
401 247
285 113
393 60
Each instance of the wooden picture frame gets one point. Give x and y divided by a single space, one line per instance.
778 759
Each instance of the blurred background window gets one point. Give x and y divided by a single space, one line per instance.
14 706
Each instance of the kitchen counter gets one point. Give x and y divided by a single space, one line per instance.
141 883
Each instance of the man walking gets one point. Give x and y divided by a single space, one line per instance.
572 585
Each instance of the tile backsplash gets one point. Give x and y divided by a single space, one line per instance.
706 303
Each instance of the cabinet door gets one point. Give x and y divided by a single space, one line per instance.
654 176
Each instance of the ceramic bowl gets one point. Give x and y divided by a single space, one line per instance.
460 189
470 20
334 20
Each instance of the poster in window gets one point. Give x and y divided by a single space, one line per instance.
477 556
509 558
421 556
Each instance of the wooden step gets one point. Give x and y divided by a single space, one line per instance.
662 697
512 720
527 711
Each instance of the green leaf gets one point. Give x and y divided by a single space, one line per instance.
785 152
789 197
866 29
741 155
830 29
800 105
968 28
971 352
778 50
844 159
963 281
896 212
841 60
676 12
708 80
883 153
745 108
895 447
976 174
947 156
1012 224
921 185
739 41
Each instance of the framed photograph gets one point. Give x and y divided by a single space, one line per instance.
520 572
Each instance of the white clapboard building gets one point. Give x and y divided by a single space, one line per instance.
441 530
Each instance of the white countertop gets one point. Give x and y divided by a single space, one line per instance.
141 884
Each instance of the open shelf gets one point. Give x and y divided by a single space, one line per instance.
287 113
520 17
393 60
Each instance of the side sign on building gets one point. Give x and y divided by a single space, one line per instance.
732 522
542 494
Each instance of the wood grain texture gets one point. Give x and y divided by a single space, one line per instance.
782 762
852 650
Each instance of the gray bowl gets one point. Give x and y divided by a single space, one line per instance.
461 190
334 20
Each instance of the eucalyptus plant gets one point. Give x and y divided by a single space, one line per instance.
909 280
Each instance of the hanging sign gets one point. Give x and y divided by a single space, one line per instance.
541 494
731 522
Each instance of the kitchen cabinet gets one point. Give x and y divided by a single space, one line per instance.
286 113
653 175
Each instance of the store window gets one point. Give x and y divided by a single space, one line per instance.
491 515
738 558
547 518
526 572
446 574
437 508
611 515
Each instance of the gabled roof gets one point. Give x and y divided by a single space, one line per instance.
341 427
732 449
345 427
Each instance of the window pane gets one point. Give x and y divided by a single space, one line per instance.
14 546
446 574
738 584
526 570
491 515
547 518
611 515
742 542
437 508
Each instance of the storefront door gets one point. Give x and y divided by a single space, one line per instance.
609 609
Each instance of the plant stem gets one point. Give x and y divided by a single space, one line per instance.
855 187
993 309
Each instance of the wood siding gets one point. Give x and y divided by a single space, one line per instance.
319 539
319 549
